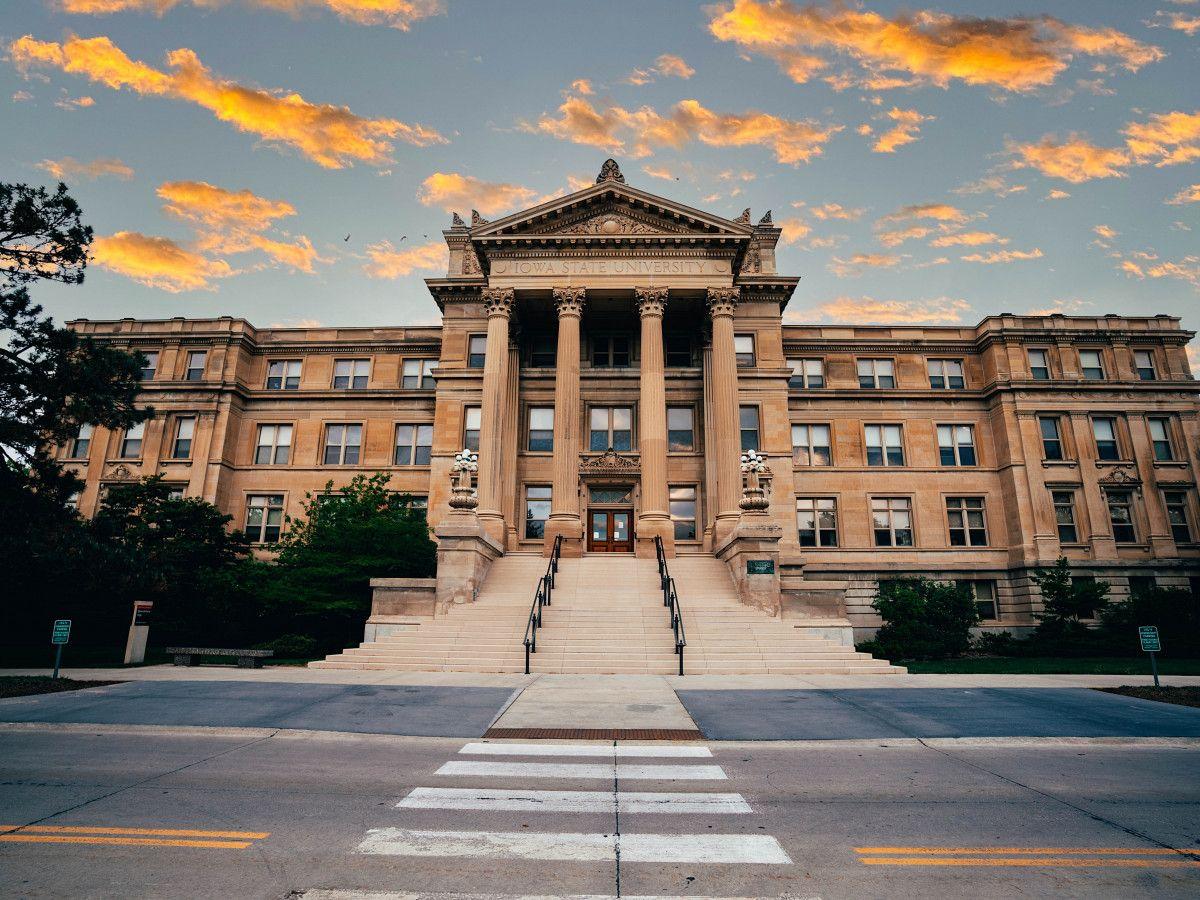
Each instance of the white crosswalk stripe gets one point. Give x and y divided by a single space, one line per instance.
606 771
568 846
573 801
607 750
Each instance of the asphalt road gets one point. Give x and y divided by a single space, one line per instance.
111 813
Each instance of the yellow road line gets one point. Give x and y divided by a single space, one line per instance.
121 841
1029 861
1118 851
165 832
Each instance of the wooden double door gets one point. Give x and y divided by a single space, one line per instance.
610 531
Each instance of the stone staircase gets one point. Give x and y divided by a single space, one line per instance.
607 617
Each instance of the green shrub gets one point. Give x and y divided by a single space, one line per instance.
1175 611
291 646
923 619
1066 601
999 643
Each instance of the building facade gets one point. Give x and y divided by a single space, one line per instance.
611 353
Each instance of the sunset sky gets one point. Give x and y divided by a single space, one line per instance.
926 164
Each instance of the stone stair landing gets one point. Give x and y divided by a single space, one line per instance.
607 617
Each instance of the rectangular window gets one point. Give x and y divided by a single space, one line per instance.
743 349
195 365
414 445
476 351
946 373
1039 365
891 519
541 429
806 373
78 448
1178 517
283 375
984 595
816 521
537 511
1064 516
611 427
418 374
185 430
472 417
264 517
811 445
351 374
273 446
968 527
610 351
1052 446
131 441
683 511
1105 432
876 373
543 351
956 445
1091 363
150 366
1160 436
1120 515
72 502
748 424
885 445
342 444
681 429
1143 362
678 350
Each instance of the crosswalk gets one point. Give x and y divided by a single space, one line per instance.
518 778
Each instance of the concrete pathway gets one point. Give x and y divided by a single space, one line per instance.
591 701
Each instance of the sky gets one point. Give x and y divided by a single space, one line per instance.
293 162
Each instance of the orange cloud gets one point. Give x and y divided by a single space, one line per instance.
452 192
869 311
157 262
396 13
939 212
1002 256
898 236
1105 232
1075 160
1056 194
1193 355
1187 195
968 239
659 172
73 103
673 67
1015 54
69 168
853 267
385 261
836 211
1167 139
1186 269
611 128
1177 21
582 86
908 124
331 136
794 229
1066 307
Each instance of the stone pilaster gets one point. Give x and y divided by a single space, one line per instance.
654 519
722 302
564 498
499 305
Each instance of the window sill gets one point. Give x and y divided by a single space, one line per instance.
1170 464
175 462
1060 463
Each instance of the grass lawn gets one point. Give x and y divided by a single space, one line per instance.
1048 665
1183 696
24 685
105 658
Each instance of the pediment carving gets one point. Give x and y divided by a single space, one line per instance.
610 461
608 221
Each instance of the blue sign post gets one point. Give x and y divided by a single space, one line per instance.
60 634
1148 635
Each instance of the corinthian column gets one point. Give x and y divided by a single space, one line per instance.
564 498
499 305
653 518
722 302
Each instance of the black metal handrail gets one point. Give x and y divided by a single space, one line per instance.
541 597
670 600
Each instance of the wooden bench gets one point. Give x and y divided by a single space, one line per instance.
246 659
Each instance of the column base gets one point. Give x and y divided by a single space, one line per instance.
571 529
647 528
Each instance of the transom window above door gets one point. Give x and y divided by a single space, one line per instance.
610 426
610 351
618 494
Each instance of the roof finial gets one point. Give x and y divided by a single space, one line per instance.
744 218
610 171
477 219
766 219
456 221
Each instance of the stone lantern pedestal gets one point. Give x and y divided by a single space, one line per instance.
751 549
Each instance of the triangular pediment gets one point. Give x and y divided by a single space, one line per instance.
610 209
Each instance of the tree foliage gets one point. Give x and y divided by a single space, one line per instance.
1066 601
923 619
1175 612
42 235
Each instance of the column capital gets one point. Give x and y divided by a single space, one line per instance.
651 301
498 301
569 301
723 301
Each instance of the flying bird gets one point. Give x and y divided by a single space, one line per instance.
346 238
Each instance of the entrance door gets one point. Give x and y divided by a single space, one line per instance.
610 531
